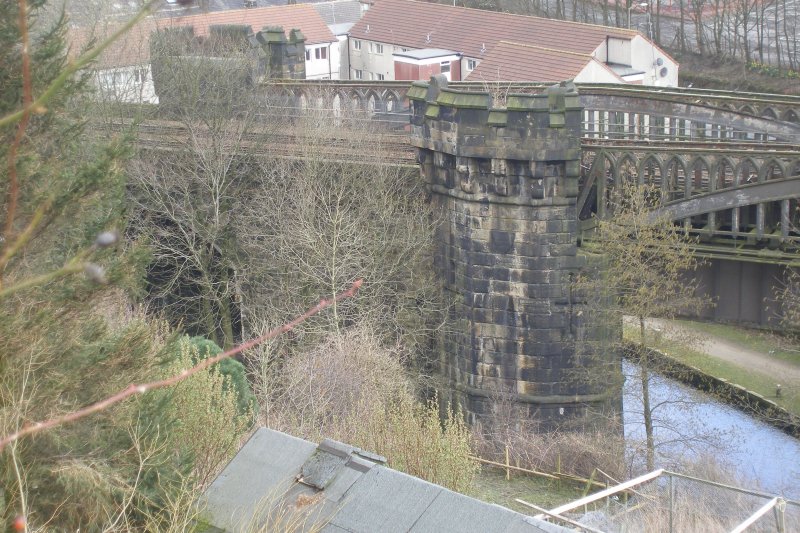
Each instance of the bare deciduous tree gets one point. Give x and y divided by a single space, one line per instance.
645 260
340 210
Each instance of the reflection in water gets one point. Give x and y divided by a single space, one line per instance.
689 423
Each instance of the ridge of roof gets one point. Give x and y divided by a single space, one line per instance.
554 50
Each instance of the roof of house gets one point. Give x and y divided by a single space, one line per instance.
416 24
346 489
339 11
133 47
301 16
509 61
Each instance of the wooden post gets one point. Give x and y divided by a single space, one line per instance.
508 463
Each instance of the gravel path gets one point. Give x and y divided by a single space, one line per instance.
726 350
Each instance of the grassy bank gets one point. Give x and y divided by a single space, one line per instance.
491 486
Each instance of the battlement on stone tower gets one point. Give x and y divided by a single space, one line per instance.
530 147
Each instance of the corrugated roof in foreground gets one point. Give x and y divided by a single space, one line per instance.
276 478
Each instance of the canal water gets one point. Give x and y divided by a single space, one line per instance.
690 424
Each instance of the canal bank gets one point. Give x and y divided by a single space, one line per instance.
750 402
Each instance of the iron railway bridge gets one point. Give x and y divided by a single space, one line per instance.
728 164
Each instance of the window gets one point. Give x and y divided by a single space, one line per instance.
445 65
404 49
358 74
321 53
471 64
380 77
308 55
140 75
356 44
378 48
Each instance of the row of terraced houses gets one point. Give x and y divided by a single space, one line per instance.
409 40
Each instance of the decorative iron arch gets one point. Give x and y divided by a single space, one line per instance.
645 163
671 179
747 110
374 102
357 100
722 163
704 184
392 100
790 115
630 158
769 164
793 167
752 176
769 113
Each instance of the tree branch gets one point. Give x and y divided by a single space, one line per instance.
27 97
134 389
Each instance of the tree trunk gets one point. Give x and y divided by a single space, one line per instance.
208 318
655 25
225 315
644 374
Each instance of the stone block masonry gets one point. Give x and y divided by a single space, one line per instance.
506 183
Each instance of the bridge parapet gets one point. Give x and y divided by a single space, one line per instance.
506 181
611 111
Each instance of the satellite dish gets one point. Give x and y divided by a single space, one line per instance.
659 61
663 72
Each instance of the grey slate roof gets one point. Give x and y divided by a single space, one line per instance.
351 492
339 11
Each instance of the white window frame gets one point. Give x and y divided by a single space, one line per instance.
472 64
445 65
380 77
378 48
358 74
356 44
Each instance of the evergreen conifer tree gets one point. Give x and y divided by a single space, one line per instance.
70 333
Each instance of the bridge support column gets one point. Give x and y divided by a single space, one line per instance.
506 182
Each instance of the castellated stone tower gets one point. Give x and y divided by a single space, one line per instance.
506 182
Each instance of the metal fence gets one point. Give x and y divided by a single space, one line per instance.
672 502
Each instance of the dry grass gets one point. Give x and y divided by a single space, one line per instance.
577 452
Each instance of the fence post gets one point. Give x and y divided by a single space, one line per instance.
508 463
780 516
671 495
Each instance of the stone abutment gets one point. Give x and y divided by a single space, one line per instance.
506 183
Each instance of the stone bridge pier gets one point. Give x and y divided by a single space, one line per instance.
506 183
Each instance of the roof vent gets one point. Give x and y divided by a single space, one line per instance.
367 30
483 48
428 38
